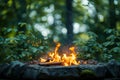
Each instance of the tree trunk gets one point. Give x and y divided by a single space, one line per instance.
112 15
69 21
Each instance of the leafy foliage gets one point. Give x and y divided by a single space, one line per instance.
91 49
30 46
109 49
22 42
22 47
112 44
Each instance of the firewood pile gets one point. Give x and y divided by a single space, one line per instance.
83 62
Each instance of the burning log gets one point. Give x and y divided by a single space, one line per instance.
50 63
67 59
45 63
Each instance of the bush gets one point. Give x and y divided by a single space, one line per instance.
22 47
104 51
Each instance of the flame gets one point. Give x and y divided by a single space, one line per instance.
66 59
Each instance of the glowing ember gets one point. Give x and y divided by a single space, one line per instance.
65 59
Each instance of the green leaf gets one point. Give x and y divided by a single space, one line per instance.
111 37
116 49
33 49
108 43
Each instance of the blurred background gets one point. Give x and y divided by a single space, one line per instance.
30 28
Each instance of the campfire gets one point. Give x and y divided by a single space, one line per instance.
65 59
85 69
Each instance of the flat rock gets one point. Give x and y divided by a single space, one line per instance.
31 72
59 72
21 71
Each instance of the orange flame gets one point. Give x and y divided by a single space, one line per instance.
67 60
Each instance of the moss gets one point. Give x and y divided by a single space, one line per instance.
87 75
